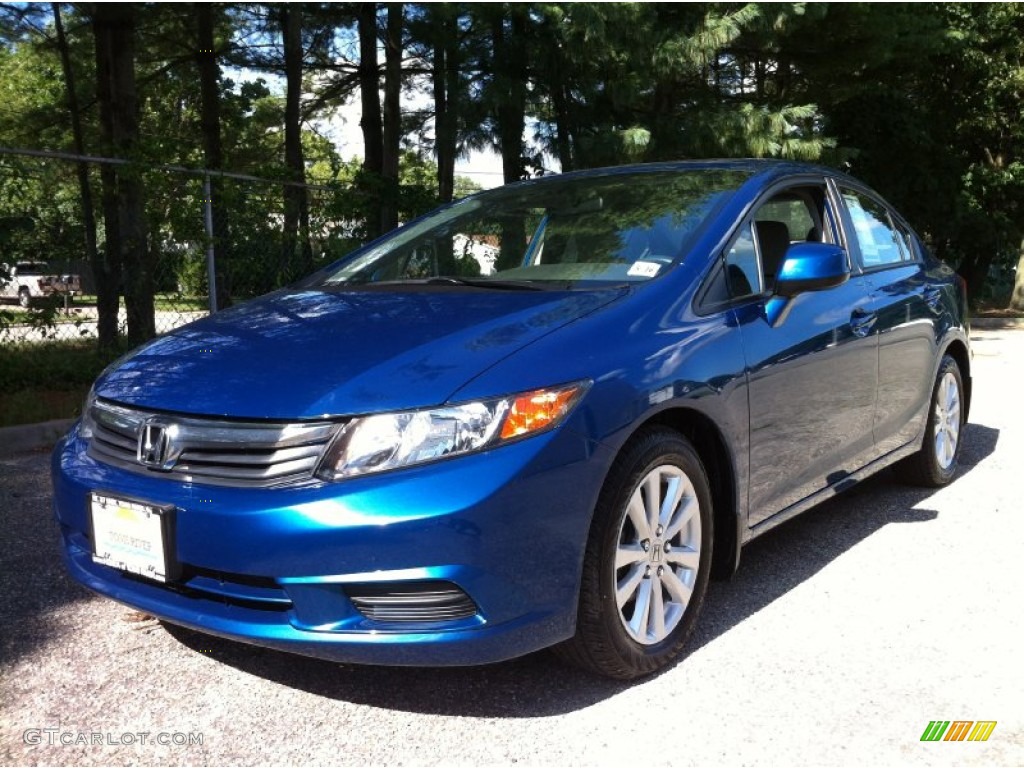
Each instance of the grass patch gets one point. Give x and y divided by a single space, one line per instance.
165 302
39 382
162 302
51 312
16 316
30 406
36 317
55 365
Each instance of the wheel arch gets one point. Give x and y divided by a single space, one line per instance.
714 454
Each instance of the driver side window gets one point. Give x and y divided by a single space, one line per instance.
743 264
756 254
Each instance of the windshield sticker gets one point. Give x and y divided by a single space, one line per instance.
644 269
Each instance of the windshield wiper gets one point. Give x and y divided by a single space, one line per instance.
500 285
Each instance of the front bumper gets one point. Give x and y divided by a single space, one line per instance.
277 567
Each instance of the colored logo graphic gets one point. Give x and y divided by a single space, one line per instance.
958 730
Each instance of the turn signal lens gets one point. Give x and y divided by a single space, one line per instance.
538 410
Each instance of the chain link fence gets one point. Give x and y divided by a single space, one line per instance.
49 350
47 286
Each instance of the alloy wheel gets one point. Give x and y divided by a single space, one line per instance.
658 554
947 420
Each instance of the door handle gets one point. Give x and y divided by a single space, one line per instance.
862 322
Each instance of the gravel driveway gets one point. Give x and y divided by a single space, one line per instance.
844 633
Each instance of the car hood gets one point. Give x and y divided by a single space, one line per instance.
308 354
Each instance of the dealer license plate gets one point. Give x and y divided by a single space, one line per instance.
130 535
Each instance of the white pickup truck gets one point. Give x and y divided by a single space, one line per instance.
27 281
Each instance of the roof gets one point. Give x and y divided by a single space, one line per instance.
756 167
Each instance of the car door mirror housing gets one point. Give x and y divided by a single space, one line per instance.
811 267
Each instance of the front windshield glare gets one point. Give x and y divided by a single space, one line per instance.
615 228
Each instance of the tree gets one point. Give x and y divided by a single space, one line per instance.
123 206
510 32
437 31
392 117
108 330
984 79
371 120
297 250
1017 294
622 82
382 128
209 89
923 100
873 71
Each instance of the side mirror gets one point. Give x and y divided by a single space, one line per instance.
811 267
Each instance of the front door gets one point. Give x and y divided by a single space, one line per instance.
812 376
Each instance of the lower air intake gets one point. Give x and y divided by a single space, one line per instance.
427 601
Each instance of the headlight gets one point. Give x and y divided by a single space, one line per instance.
85 427
393 440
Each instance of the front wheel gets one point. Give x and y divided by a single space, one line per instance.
934 465
24 298
647 561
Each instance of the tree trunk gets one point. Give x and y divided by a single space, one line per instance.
974 269
124 212
209 107
510 76
511 73
445 77
106 287
298 256
370 121
444 156
1017 297
662 144
392 133
563 141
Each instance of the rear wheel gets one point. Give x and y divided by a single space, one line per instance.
24 298
647 562
935 464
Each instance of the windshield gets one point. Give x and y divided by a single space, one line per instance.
615 228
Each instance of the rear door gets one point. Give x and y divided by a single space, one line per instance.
906 306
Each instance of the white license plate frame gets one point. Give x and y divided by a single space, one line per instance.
131 535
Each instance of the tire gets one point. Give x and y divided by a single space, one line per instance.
661 563
936 462
24 298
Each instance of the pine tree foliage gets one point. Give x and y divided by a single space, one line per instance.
922 100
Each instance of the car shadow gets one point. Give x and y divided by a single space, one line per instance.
539 685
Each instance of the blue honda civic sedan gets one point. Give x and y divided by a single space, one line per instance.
544 415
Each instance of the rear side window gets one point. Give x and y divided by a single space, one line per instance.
882 242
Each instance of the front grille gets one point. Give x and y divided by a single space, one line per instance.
412 601
212 451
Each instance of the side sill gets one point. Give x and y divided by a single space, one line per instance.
832 490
